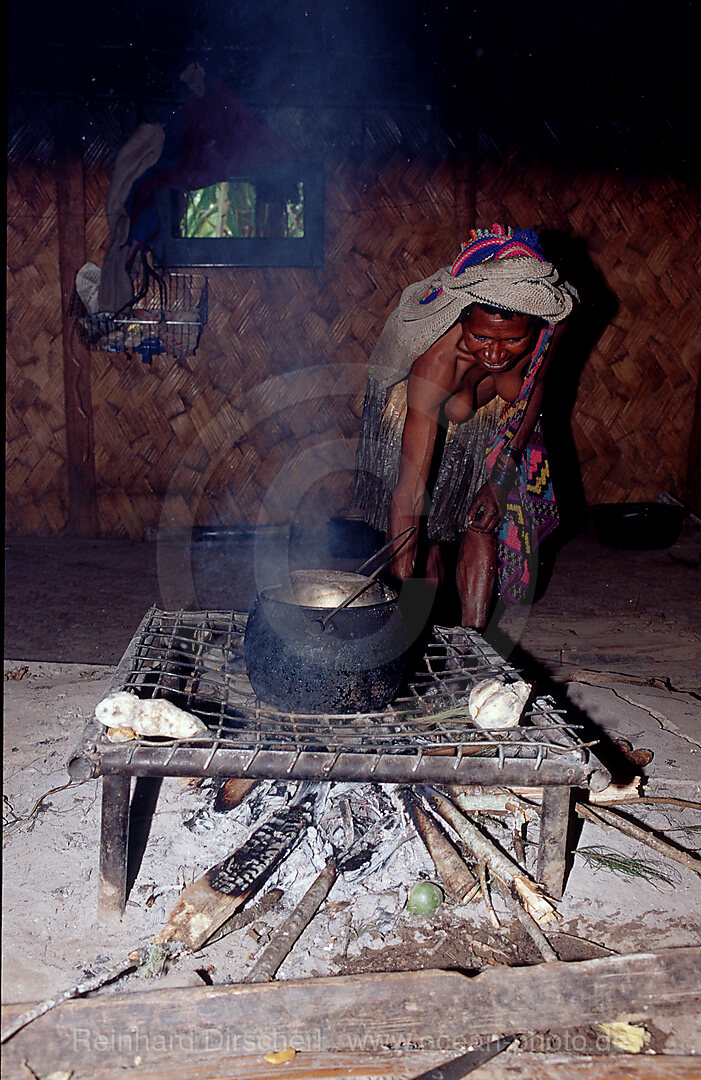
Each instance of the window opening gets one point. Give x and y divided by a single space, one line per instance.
243 209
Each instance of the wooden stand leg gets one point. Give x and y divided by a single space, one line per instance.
114 845
552 848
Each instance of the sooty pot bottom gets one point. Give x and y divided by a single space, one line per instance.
354 666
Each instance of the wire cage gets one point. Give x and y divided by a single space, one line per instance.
165 317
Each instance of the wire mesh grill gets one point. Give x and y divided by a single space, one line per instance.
195 660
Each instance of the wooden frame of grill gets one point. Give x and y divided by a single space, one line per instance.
195 660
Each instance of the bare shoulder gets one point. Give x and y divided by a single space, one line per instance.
437 364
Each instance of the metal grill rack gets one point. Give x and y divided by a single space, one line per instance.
195 660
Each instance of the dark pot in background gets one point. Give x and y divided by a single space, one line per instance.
642 526
229 564
350 537
354 666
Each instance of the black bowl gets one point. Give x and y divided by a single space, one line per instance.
644 526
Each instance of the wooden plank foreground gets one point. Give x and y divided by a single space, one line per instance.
403 1065
359 1015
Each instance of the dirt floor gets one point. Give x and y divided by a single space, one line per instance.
618 632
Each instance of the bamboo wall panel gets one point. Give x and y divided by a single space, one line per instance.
259 425
36 479
633 414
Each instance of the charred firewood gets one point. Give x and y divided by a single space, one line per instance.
520 886
344 860
231 793
213 898
293 927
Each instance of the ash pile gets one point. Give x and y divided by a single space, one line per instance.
336 878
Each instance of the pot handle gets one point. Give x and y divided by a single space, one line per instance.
404 537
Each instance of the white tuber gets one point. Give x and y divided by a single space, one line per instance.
154 716
117 710
495 705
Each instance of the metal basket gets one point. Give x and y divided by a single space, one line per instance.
167 320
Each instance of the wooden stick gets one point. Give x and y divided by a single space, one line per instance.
552 842
325 1014
613 793
504 802
659 800
231 793
457 877
609 818
400 1064
136 959
513 877
519 841
484 888
130 963
528 922
242 918
293 927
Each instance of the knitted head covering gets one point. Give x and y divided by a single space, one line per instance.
484 245
499 267
497 243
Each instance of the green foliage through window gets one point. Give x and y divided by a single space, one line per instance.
244 208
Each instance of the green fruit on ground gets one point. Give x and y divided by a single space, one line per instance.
424 898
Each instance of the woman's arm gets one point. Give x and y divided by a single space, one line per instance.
429 385
535 404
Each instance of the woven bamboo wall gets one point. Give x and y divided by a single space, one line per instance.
259 425
633 409
36 482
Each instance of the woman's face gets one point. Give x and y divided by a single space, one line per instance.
496 344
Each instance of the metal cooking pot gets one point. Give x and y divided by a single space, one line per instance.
326 642
327 590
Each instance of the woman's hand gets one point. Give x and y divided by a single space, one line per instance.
401 566
487 508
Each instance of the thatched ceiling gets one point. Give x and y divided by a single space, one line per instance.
612 74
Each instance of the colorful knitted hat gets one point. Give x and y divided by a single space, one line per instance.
499 242
492 245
